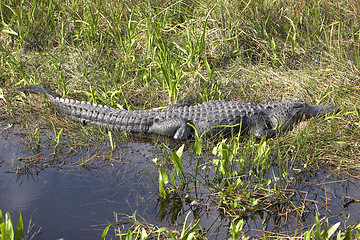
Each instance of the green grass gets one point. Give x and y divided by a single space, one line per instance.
149 54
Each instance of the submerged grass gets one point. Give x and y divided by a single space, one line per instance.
149 54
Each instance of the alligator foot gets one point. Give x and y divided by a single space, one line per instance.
172 127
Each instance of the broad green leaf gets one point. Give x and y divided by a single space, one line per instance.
177 162
333 229
172 236
239 225
162 191
144 234
161 181
317 227
262 146
164 176
190 234
176 159
128 235
1 217
197 146
9 231
180 151
296 232
19 229
104 233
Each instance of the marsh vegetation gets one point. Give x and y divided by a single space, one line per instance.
150 54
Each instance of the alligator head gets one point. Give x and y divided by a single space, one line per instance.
286 114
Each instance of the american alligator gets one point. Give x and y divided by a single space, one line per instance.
179 120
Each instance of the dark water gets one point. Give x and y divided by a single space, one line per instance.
73 192
67 200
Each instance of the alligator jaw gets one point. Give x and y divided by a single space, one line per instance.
315 110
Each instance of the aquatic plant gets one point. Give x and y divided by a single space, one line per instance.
141 231
7 231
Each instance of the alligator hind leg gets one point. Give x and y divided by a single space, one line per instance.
173 127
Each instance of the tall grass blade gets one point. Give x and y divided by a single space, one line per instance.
112 144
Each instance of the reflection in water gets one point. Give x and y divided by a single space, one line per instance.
171 206
17 197
74 192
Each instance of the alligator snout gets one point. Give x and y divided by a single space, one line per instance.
316 110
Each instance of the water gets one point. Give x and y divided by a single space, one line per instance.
73 192
66 200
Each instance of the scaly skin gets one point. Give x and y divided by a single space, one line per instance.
221 117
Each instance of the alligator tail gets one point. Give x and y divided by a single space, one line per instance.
85 112
37 89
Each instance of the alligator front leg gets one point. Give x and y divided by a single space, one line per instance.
260 126
270 133
173 127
